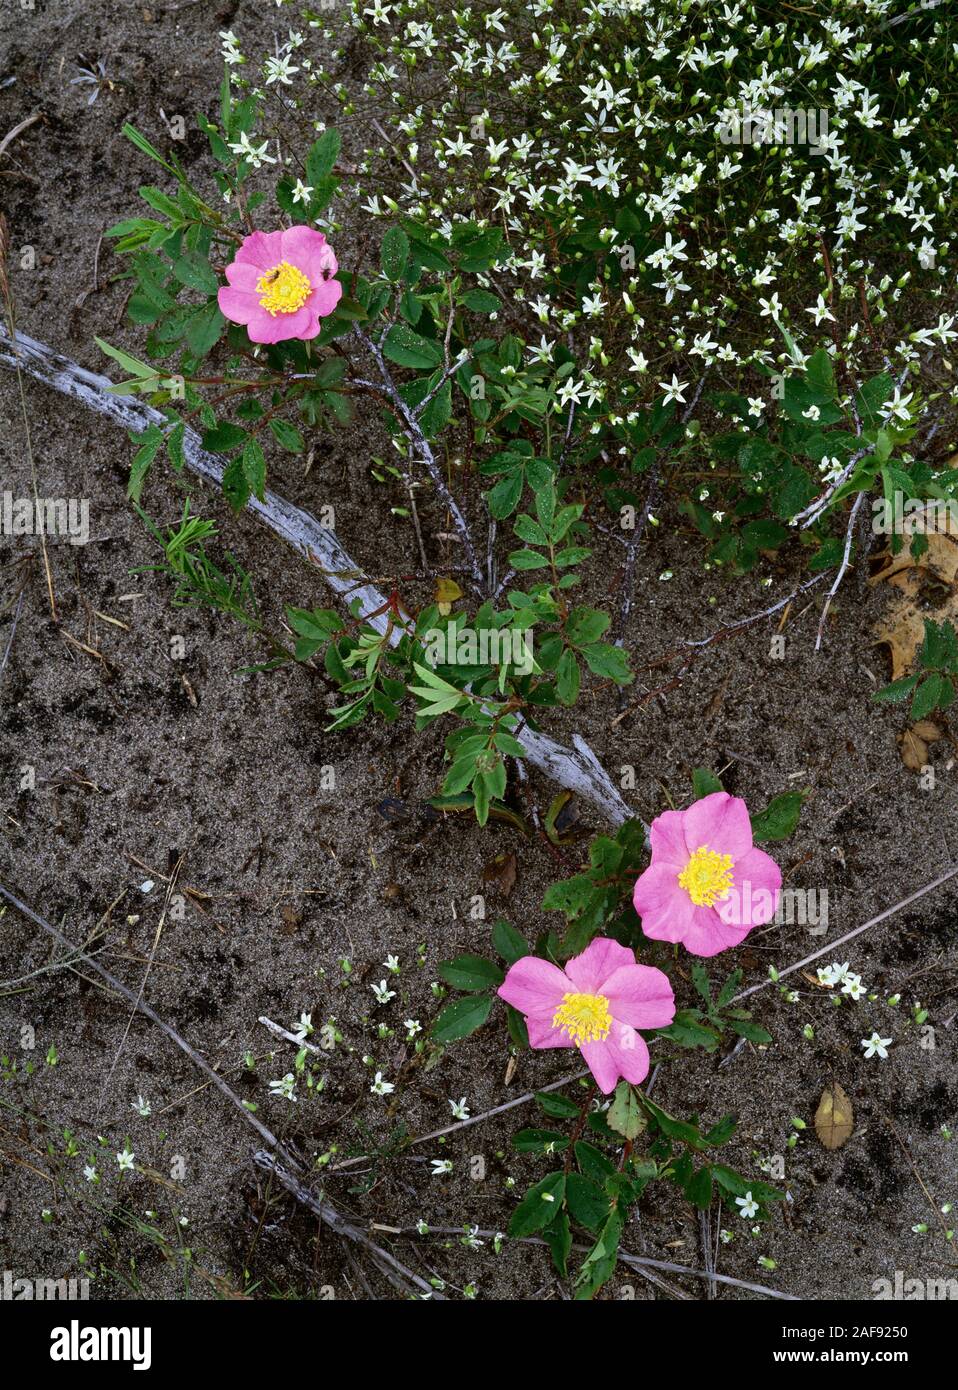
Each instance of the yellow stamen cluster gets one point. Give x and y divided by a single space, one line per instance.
585 1017
707 877
283 289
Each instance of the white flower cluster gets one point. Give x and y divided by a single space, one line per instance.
720 174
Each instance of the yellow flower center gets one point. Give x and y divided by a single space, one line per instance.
707 877
585 1017
283 289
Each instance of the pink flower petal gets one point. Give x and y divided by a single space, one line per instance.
640 995
601 1061
721 822
265 327
237 305
315 323
662 903
754 896
622 1054
708 934
325 296
596 963
309 250
667 838
263 249
535 987
243 275
542 1034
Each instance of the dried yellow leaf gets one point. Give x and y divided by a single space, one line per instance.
834 1118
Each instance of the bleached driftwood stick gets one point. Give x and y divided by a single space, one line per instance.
575 768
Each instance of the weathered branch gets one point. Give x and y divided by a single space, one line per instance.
576 768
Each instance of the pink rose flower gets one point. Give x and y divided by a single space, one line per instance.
707 885
281 284
595 1004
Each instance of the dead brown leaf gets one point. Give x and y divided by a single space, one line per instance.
926 587
913 744
500 874
834 1118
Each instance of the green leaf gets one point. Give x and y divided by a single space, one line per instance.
194 271
737 1185
235 486
528 560
509 944
161 202
503 499
722 1131
730 988
482 302
319 624
471 972
820 374
779 818
587 1203
751 1031
462 1018
394 254
539 1206
687 1030
287 435
480 791
672 1128
567 677
530 531
557 1106
223 438
897 690
927 696
460 775
624 1114
144 146
704 782
322 195
322 157
204 329
409 349
539 1141
128 363
254 468
437 413
599 1264
611 663
152 439
939 647
592 1162
699 1190
518 1031
585 625
700 980
558 1237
